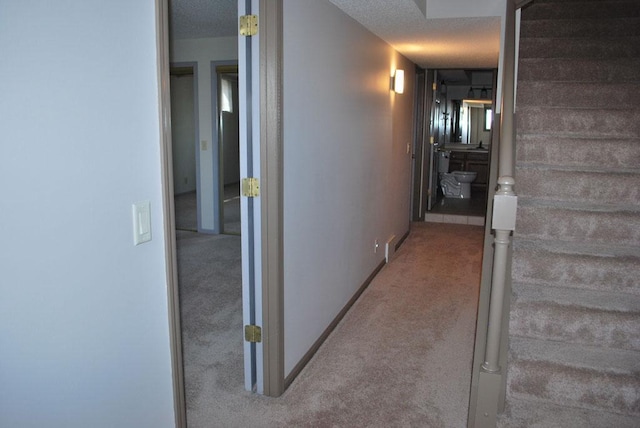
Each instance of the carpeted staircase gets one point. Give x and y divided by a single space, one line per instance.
574 334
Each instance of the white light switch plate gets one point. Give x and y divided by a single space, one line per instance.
141 222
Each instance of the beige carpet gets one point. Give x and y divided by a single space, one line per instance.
400 358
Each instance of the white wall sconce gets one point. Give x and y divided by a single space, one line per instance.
398 81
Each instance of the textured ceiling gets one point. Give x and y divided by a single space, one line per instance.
193 19
454 33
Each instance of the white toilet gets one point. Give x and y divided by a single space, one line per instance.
455 184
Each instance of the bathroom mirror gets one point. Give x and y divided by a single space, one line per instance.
472 122
463 99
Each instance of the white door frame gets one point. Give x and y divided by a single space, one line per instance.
261 141
264 154
166 166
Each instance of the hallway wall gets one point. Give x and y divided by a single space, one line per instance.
347 171
85 331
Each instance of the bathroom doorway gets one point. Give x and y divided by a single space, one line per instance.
460 156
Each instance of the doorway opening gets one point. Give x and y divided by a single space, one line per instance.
228 116
454 156
207 210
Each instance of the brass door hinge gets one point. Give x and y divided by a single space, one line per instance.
248 25
250 187
252 333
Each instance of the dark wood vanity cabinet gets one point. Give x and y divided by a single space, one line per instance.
472 161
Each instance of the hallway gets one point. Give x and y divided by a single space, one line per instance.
401 356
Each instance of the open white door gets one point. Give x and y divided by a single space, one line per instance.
261 140
248 85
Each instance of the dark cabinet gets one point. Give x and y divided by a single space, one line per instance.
474 162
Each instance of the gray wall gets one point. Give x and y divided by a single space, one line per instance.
84 336
183 134
230 137
347 171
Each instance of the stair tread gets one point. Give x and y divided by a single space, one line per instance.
579 69
560 109
600 48
578 222
601 171
587 300
578 122
576 387
586 249
580 267
574 375
595 208
583 27
576 152
546 320
579 185
586 169
620 361
559 10
522 413
579 95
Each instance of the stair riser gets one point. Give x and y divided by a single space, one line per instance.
577 152
622 47
592 227
577 186
578 70
588 123
572 324
577 10
589 272
620 27
574 387
578 95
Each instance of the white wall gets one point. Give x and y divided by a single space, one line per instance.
347 173
84 336
203 51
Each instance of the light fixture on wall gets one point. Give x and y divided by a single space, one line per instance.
398 81
484 93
